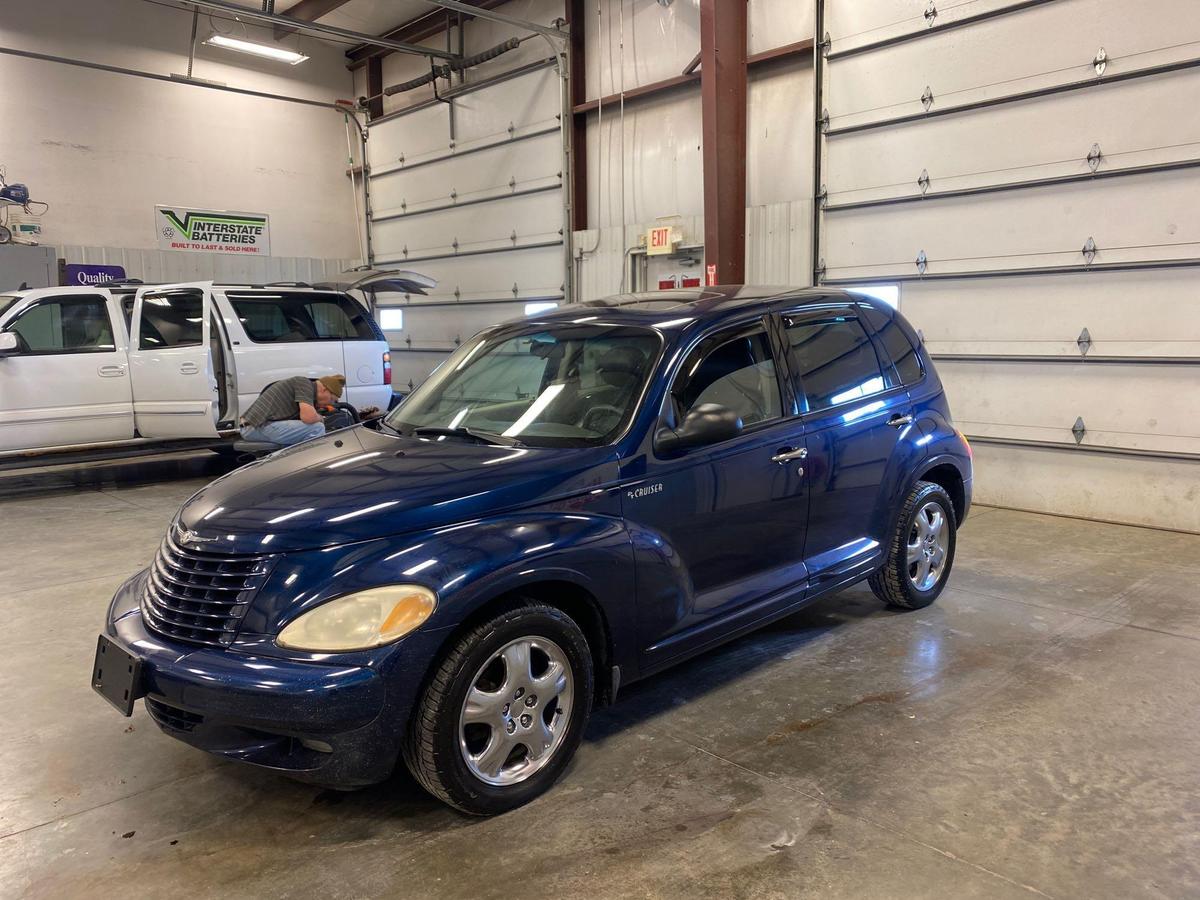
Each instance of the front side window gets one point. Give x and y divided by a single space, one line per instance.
734 371
296 316
172 319
65 325
567 386
837 363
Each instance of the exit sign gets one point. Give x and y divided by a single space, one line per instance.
660 241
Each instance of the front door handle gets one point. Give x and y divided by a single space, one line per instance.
188 368
899 421
787 454
111 371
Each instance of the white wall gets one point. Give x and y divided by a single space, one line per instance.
103 148
649 166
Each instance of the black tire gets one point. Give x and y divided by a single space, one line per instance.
431 749
892 584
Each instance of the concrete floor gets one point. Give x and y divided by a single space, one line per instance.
1037 732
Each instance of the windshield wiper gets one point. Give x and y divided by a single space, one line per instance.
483 437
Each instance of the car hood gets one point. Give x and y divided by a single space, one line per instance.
358 484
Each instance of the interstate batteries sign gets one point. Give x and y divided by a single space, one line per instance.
212 231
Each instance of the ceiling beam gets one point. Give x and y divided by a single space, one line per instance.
307 11
503 18
421 28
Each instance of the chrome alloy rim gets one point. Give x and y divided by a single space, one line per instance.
516 711
928 544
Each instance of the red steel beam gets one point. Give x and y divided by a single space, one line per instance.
375 87
800 50
575 13
309 11
723 31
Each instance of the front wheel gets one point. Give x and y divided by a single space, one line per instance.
504 711
921 551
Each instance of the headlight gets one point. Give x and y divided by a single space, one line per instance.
361 621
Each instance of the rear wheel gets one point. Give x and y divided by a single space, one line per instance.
504 711
921 551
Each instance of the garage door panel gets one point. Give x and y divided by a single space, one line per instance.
1057 42
1143 407
977 149
491 110
478 224
493 275
1151 313
1042 227
1090 485
411 135
862 22
532 161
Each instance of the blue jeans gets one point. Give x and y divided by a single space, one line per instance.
285 433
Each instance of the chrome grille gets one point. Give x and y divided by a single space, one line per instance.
200 596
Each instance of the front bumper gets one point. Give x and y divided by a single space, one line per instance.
320 721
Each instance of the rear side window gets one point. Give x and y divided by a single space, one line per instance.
295 317
65 325
904 355
171 319
837 363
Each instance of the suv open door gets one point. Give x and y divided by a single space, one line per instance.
174 388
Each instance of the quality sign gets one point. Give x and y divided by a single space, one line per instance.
212 231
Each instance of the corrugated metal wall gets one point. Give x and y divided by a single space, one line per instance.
1025 171
166 266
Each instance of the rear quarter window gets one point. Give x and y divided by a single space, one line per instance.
293 317
901 350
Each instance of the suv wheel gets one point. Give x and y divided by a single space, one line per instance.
921 551
504 711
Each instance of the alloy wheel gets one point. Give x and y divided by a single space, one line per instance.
516 711
928 543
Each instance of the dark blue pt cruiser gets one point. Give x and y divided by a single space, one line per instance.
567 504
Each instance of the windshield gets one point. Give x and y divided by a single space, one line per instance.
562 386
7 300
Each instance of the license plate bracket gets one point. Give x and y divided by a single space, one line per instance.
117 675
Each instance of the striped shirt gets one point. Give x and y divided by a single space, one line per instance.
281 401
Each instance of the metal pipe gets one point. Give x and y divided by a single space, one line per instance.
1051 181
1074 360
938 29
1098 268
1034 94
497 301
491 14
469 88
192 43
818 144
1085 448
262 18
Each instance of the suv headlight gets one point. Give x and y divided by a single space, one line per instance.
360 621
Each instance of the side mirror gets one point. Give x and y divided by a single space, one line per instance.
9 344
708 423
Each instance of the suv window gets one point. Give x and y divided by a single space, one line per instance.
735 370
172 319
65 325
904 355
295 316
836 361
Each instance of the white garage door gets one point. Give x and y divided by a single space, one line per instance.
472 196
1027 172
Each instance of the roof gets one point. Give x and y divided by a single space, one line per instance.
654 307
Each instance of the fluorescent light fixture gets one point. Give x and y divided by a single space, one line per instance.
269 51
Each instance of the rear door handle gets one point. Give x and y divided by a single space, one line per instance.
111 371
188 368
898 421
787 454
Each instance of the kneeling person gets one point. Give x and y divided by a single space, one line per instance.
286 412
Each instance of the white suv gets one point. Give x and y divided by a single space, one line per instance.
90 367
